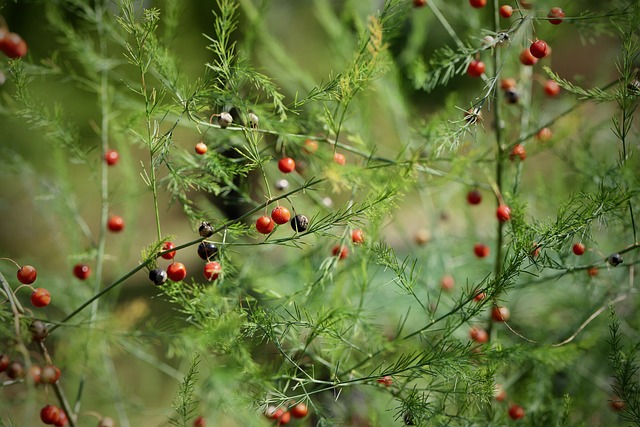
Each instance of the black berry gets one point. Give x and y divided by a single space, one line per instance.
15 370
299 223
38 330
615 260
158 276
205 230
207 250
511 95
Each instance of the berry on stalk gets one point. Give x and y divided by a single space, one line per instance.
212 270
111 157
340 251
557 16
115 223
299 411
224 120
265 225
544 134
15 370
167 246
526 58
201 148
177 271
299 223
478 3
518 150
38 330
357 236
50 374
339 158
286 165
27 274
500 314
476 68
158 276
578 248
50 414
474 197
539 49
280 215
207 250
478 335
505 11
615 260
40 297
205 230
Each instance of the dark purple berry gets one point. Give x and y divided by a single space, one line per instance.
511 95
207 250
615 260
299 223
158 276
205 230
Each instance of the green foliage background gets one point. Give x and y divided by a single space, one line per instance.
287 321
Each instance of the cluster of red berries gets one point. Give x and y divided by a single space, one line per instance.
283 417
12 45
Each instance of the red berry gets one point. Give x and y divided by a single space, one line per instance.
557 16
500 314
212 270
357 236
481 250
536 250
340 251
474 197
499 393
616 404
476 68
526 4
201 148
478 3
4 362
509 83
13 45
166 246
115 223
503 213
286 165
50 414
339 158
111 157
418 3
479 335
176 271
27 274
82 271
526 58
551 88
310 146
35 372
479 297
273 413
62 421
200 422
386 380
280 215
265 225
539 49
518 150
544 134
516 412
505 11
447 283
40 297
299 411
284 419
593 271
50 374
578 248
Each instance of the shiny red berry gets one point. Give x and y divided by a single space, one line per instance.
539 49
50 414
62 421
557 16
13 45
176 271
265 225
478 3
115 223
357 236
40 297
500 314
286 165
201 148
50 374
516 412
578 248
299 411
478 335
27 274
481 250
505 11
280 215
476 68
82 271
503 213
167 246
212 270
340 251
526 58
111 157
551 88
284 419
